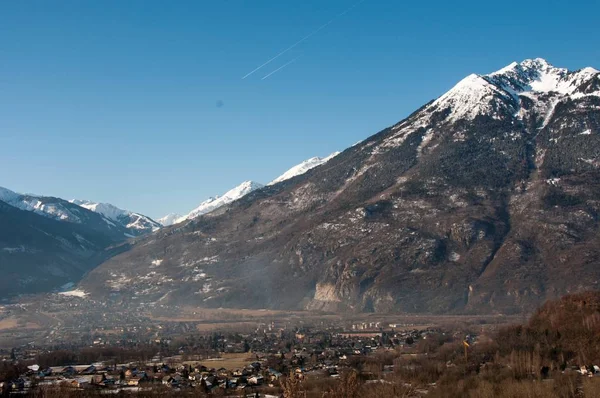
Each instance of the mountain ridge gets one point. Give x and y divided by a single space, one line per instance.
303 167
213 203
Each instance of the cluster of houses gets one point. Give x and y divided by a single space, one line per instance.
135 378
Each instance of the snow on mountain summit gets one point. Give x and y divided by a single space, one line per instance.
303 168
169 219
135 222
539 76
107 210
472 96
46 206
535 75
118 221
497 93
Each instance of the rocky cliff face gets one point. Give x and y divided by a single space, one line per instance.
485 199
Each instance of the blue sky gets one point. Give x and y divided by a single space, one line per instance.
118 101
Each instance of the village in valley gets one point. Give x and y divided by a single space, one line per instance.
230 363
77 347
96 349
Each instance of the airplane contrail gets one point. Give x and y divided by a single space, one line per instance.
280 68
314 32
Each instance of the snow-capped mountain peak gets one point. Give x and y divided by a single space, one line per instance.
46 206
497 93
135 222
536 75
474 95
539 76
107 210
303 168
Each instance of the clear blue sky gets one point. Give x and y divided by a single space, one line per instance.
117 101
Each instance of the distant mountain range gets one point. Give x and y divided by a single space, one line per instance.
133 224
46 242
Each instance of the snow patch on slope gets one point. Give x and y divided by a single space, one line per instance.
74 293
44 206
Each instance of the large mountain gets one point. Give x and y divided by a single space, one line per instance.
485 199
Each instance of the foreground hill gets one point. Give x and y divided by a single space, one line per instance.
485 199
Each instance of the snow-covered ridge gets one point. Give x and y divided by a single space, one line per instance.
44 206
539 76
128 219
106 209
242 190
214 203
76 211
303 168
